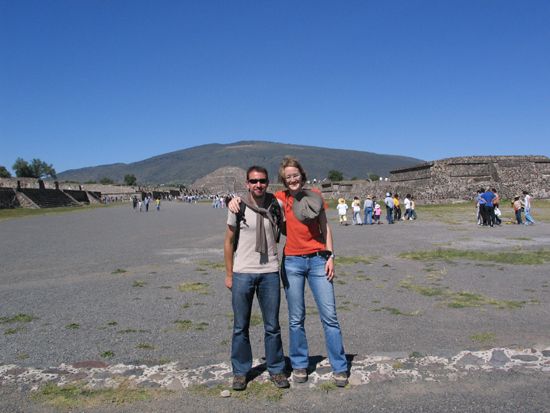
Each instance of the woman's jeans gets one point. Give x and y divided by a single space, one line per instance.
528 217
298 269
267 288
368 216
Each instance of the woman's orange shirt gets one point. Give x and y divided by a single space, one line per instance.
301 238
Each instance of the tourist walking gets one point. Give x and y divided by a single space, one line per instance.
407 204
527 205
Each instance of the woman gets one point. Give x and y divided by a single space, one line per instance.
308 255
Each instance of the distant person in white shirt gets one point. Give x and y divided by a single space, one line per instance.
342 208
527 201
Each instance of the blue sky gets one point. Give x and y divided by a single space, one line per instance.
90 82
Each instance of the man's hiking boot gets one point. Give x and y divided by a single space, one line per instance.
340 379
299 375
239 383
280 381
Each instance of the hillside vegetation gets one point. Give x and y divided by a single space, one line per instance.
186 166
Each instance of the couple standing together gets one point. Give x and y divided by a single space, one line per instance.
252 268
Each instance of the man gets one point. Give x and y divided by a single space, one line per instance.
252 267
389 207
489 218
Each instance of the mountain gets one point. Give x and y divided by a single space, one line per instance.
187 165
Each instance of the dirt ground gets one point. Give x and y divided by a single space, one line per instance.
126 289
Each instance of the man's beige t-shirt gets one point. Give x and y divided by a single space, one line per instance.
246 259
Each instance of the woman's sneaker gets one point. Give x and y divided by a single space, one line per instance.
340 379
299 375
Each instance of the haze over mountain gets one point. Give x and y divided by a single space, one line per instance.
187 165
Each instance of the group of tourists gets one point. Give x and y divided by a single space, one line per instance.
141 205
254 225
369 212
488 210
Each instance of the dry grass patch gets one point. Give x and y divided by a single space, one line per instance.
197 287
461 299
18 318
218 266
537 257
255 391
77 396
354 260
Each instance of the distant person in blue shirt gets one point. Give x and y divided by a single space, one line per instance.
489 217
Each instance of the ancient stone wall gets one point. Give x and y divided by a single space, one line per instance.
456 179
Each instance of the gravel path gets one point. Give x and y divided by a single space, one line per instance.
115 287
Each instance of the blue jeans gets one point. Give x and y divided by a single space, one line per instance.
296 270
389 214
368 216
528 218
267 288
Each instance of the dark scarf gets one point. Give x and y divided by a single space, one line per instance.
261 213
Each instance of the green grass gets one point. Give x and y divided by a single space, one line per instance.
327 386
354 260
132 330
255 391
198 287
72 326
14 213
483 337
145 346
218 266
462 299
107 354
515 257
464 212
18 318
139 283
186 325
11 331
77 397
396 311
119 271
183 325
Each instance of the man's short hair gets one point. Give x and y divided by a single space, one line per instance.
256 168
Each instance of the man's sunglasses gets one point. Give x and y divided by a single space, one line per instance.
255 181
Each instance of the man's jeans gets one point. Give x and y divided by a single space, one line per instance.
389 214
296 270
368 216
267 288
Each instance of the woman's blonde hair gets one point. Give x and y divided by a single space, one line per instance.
292 162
